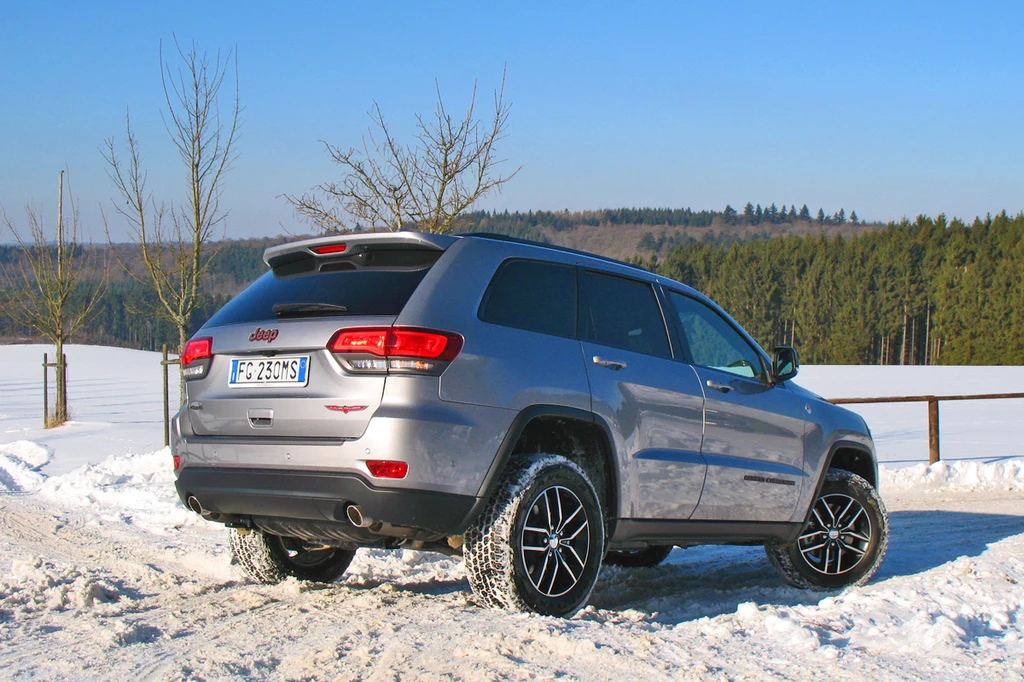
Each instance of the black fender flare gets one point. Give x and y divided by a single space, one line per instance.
515 431
835 447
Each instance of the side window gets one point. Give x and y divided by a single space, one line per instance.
531 295
622 313
712 341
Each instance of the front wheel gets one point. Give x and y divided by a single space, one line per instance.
844 540
269 559
538 544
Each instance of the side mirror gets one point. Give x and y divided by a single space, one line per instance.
784 363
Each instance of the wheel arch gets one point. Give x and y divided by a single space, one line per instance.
576 434
850 456
855 458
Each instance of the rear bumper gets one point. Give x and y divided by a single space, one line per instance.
321 496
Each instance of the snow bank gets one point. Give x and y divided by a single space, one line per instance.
139 488
20 462
34 585
960 476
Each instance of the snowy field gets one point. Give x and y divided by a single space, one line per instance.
103 575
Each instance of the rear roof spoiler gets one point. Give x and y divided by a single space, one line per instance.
354 243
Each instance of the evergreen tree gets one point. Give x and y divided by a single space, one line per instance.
729 215
805 213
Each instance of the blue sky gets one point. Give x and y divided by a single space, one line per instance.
891 109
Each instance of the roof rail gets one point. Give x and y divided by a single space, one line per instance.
547 245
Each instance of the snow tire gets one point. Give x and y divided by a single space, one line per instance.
538 544
269 559
639 558
848 514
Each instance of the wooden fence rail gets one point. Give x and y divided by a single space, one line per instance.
933 410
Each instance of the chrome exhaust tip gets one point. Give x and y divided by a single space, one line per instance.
357 518
195 506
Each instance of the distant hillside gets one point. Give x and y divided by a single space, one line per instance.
126 315
627 232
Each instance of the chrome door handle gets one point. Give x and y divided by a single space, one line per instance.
610 364
724 388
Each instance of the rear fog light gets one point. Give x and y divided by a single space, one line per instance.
387 469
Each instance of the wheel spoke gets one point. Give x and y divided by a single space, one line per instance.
860 537
576 556
831 513
565 565
547 508
841 514
852 548
534 529
558 522
578 530
828 555
854 519
535 548
554 574
543 570
571 517
815 548
821 523
812 534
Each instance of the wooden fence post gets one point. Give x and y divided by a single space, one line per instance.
167 416
46 394
933 430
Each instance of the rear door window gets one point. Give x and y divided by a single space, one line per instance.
532 295
622 313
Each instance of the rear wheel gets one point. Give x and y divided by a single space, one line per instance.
844 540
269 559
538 544
638 558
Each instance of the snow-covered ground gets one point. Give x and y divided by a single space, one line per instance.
103 575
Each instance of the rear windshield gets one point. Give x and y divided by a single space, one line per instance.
339 287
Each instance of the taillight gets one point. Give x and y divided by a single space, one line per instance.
387 469
328 249
423 343
195 358
396 348
372 340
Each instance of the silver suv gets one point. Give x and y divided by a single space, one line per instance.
535 409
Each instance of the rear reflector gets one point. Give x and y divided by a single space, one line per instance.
328 249
387 469
197 349
177 462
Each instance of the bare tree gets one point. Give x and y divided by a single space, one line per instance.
49 293
388 185
174 237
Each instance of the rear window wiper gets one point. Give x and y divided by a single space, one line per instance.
282 309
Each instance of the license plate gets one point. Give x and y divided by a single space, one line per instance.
269 372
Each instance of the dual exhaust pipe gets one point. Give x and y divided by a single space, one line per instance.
353 511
